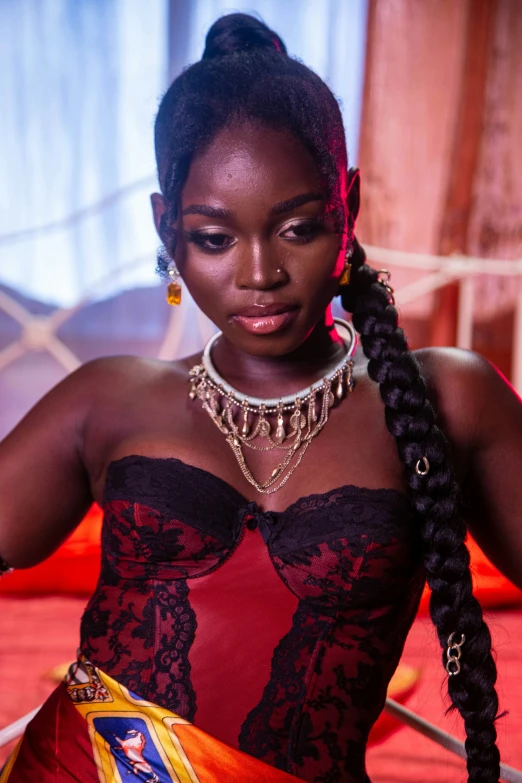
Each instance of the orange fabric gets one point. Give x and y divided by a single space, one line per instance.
72 570
220 762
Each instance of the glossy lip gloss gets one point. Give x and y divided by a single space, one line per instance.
266 319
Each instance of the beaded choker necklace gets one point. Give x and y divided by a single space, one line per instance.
245 420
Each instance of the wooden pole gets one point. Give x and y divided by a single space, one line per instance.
516 372
432 732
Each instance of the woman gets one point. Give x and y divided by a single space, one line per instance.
261 594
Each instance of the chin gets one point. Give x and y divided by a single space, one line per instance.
276 344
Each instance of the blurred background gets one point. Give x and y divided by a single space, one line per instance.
431 93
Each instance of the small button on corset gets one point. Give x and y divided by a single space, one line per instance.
254 518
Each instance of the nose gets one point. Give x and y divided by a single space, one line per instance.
259 269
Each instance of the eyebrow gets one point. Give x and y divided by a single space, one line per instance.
297 201
277 209
203 209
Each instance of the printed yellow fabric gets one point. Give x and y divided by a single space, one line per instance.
132 736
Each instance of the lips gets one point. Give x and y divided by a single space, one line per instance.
267 318
257 310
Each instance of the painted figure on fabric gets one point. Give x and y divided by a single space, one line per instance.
133 746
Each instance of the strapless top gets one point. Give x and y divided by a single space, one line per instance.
277 632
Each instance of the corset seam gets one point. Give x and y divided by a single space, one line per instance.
309 681
229 554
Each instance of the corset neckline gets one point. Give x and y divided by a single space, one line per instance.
378 494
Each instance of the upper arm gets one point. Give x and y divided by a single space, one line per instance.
44 487
482 416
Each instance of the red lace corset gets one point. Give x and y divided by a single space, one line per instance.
276 632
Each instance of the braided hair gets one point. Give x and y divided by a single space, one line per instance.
246 74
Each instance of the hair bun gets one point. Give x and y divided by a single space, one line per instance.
237 33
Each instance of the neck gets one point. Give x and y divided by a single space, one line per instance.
273 376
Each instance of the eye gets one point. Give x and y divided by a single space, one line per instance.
302 232
210 241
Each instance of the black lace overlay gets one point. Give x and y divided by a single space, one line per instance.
268 729
329 674
351 561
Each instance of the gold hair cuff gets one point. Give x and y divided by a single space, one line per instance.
422 468
453 654
384 277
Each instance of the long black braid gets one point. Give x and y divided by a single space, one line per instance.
245 74
410 418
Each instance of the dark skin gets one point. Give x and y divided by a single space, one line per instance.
54 463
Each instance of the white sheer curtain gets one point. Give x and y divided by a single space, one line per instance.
79 89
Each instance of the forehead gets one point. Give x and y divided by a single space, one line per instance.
251 162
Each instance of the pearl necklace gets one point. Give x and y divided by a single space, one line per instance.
243 419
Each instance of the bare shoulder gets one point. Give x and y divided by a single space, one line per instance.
98 387
455 370
133 403
106 376
101 399
466 390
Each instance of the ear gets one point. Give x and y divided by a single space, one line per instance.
353 190
158 208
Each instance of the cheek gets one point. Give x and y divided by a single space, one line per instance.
319 267
201 271
208 280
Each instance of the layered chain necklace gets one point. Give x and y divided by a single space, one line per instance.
245 421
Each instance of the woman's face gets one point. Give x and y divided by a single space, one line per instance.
255 246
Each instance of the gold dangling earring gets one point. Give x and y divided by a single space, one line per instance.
174 286
345 277
384 277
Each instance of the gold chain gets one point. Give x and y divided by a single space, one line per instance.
243 421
